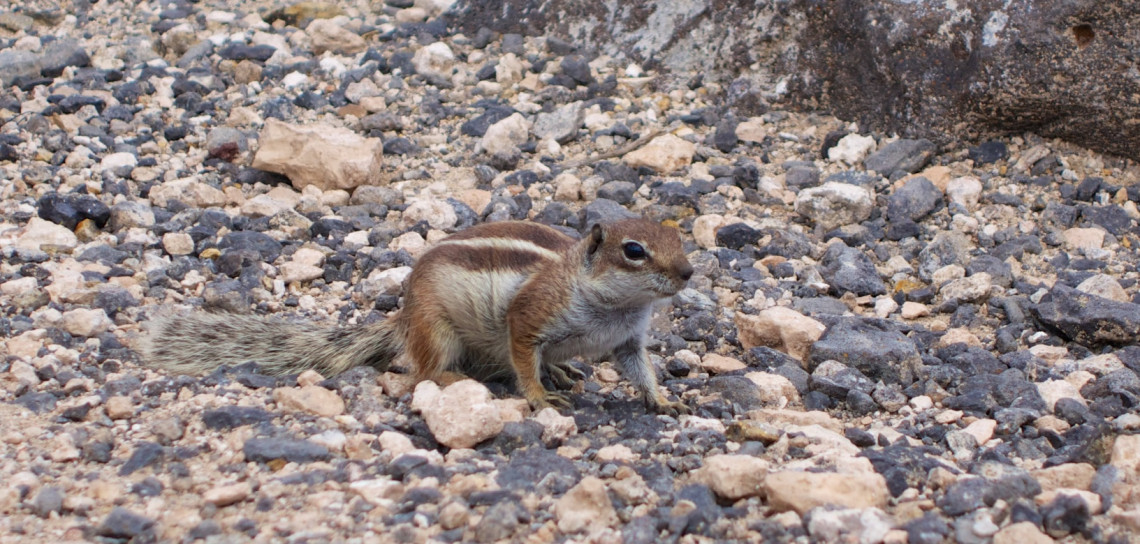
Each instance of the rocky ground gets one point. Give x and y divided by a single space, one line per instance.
883 341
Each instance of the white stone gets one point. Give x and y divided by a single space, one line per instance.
1084 239
733 477
435 59
1105 286
779 328
86 322
440 214
968 289
277 200
964 191
292 272
586 506
833 204
852 149
326 35
555 426
665 154
462 415
119 164
327 156
178 243
39 235
385 282
505 136
1054 390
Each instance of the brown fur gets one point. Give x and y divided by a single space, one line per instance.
512 297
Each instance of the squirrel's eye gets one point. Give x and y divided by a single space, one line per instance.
634 251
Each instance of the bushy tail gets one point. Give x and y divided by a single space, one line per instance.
198 343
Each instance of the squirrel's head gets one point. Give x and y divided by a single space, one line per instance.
638 259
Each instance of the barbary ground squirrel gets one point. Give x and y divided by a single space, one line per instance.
511 296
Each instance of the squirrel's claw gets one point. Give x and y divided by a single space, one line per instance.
564 375
551 399
669 408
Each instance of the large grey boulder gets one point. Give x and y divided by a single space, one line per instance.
922 68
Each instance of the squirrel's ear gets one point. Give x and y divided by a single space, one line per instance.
597 236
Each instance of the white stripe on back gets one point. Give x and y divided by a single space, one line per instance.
510 244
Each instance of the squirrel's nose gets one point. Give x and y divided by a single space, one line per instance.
685 271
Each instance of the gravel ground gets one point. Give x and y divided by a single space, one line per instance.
883 341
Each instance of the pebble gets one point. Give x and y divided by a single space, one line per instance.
779 328
664 154
326 35
899 157
733 477
460 415
851 149
324 156
803 491
586 506
85 322
226 495
313 399
834 205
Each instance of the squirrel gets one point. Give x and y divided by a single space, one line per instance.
511 296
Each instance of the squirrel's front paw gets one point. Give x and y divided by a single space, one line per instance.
550 399
669 408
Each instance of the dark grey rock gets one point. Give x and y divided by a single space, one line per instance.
724 138
48 499
914 200
849 270
928 529
61 54
226 143
241 51
17 63
229 417
499 522
1088 319
900 156
837 380
737 236
478 126
1113 218
268 248
603 210
988 152
263 450
802 177
618 191
533 465
947 248
145 455
1067 514
122 523
578 68
737 391
873 346
401 146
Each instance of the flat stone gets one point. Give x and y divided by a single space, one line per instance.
802 491
779 328
834 204
325 156
586 506
460 415
733 477
665 154
313 399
